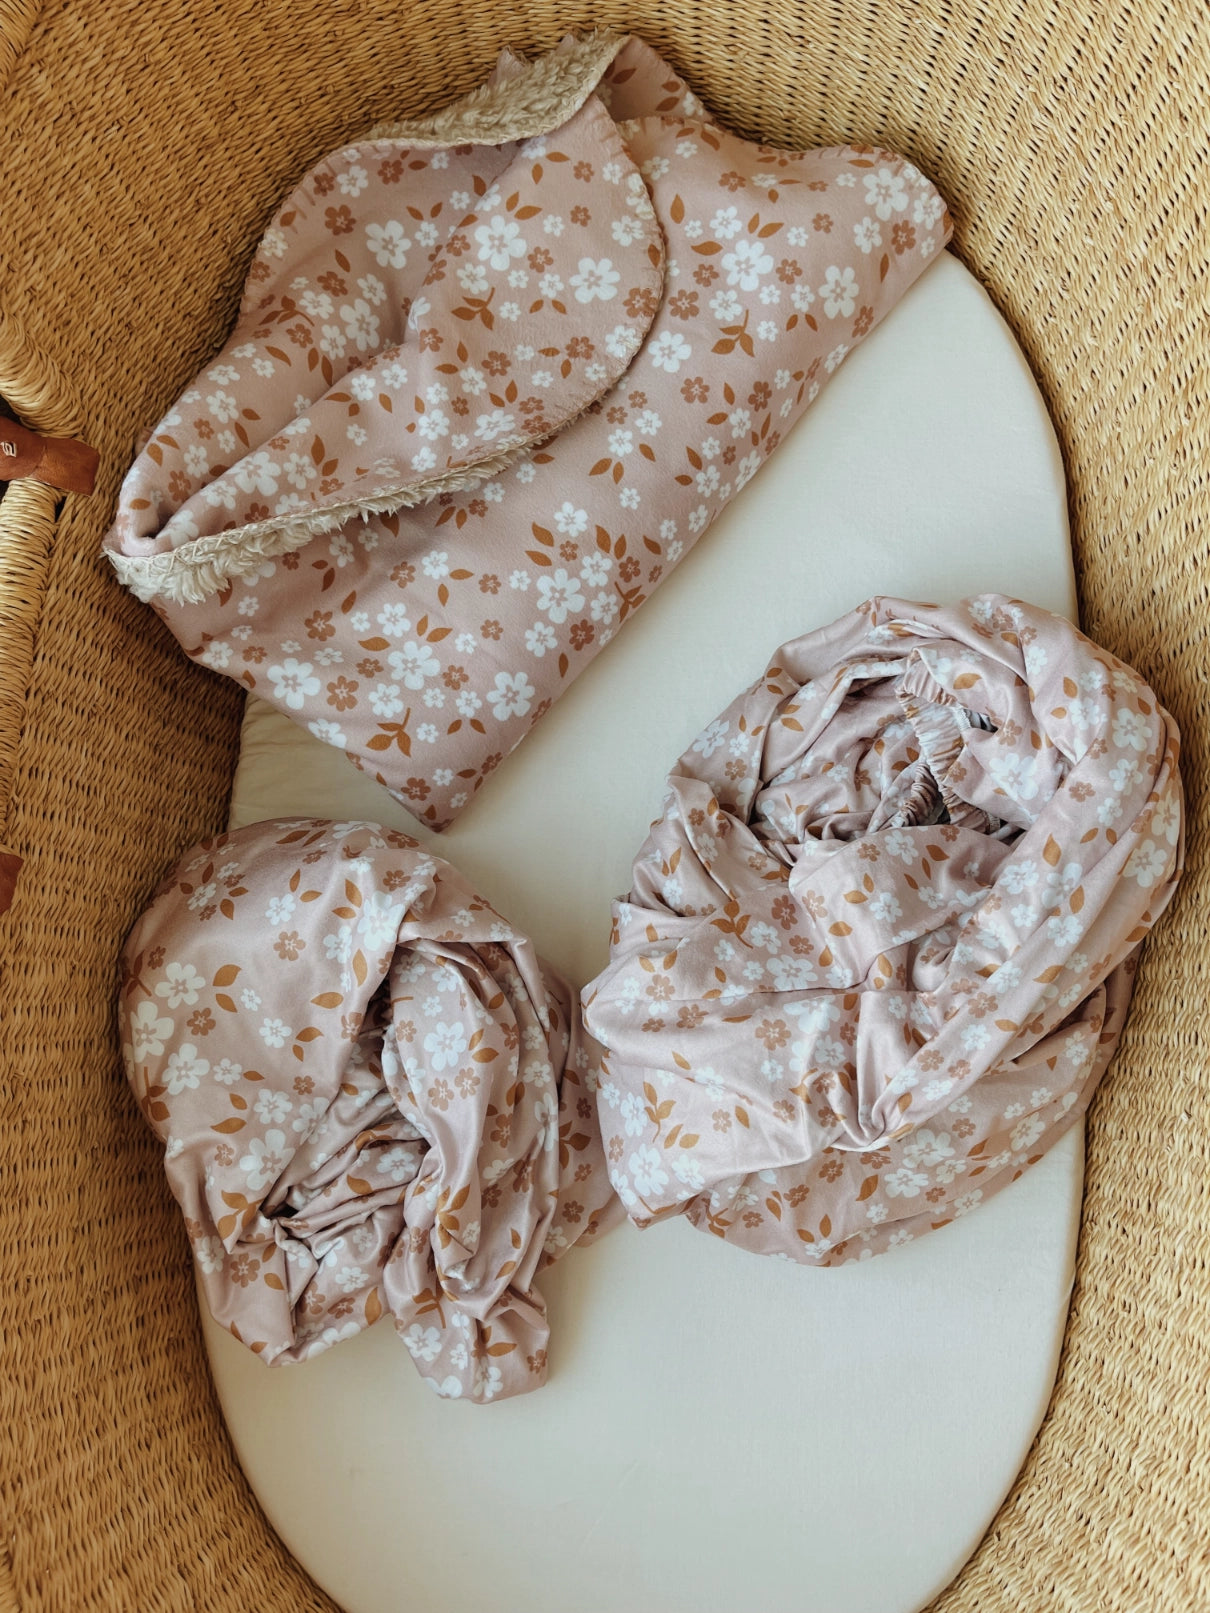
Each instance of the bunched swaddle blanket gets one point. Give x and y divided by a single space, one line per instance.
373 1098
493 375
880 944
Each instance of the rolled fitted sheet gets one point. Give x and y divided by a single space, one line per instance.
372 1097
880 943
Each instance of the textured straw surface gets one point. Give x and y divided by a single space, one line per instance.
141 149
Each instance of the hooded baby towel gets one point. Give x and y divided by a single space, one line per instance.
493 374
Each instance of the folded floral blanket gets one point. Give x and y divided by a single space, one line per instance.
493 375
373 1098
881 942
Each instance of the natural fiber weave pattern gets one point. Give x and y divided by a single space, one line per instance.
141 149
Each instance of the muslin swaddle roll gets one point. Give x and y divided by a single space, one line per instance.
880 943
373 1098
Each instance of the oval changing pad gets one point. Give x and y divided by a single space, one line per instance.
720 1432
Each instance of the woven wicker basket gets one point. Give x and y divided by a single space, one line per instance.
141 149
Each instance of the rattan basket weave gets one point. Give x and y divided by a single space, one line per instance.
142 147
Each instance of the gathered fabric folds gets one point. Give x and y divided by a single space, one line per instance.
881 941
373 1098
493 375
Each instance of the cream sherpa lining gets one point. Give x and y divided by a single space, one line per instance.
200 567
541 96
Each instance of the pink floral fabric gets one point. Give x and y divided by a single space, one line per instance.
481 398
373 1098
881 941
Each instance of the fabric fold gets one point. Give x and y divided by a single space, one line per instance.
373 1098
880 944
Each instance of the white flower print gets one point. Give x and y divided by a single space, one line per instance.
307 1115
1064 932
472 279
386 700
250 999
362 323
595 569
726 223
209 1254
571 521
495 424
272 1107
226 1072
180 985
424 1343
669 351
904 1183
292 682
299 469
512 695
726 307
317 304
927 1148
1146 863
885 907
264 1161
222 406
634 1117
398 1164
413 664
1131 730
839 292
389 244
433 425
184 1069
500 241
595 278
647 1169
746 263
927 209
540 638
394 620
711 737
445 1045
1019 876
626 230
792 974
1166 820
886 193
559 594
275 1033
279 908
258 474
1061 884
688 1172
867 235
353 181
1026 1132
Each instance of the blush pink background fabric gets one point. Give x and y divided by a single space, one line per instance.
880 943
373 1098
480 400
